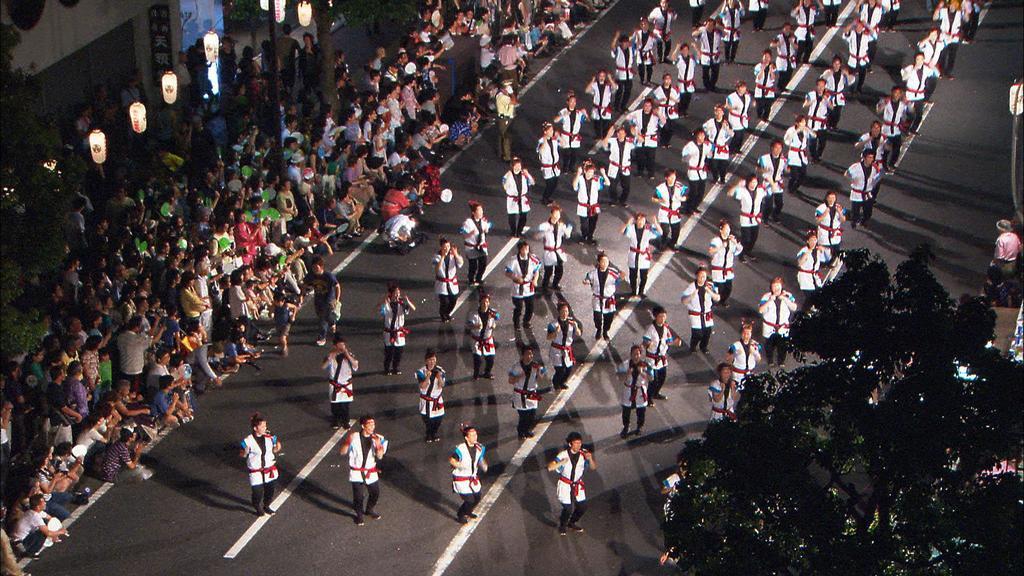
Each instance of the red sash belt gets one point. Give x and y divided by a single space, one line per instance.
575 486
345 388
708 316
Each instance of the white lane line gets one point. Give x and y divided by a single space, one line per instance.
283 496
599 348
910 139
492 265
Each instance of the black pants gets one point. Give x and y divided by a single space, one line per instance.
775 349
808 298
699 338
601 128
862 211
641 416
918 113
549 189
784 77
773 206
664 49
709 74
571 513
797 174
339 414
622 94
890 18
392 358
644 160
476 269
763 107
602 322
724 290
469 502
516 223
719 169
970 26
262 496
748 237
730 50
817 145
657 382
695 195
446 303
831 15
359 494
684 103
834 114
431 425
485 362
526 419
561 375
638 280
736 142
862 74
588 225
895 143
522 307
555 271
620 181
646 71
804 49
665 134
670 233
697 14
759 18
568 158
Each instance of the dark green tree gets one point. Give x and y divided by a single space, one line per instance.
37 183
873 457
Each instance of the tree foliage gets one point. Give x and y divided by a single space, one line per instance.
815 479
33 199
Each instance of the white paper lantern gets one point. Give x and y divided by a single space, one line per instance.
211 44
264 4
305 10
137 114
279 11
169 86
98 146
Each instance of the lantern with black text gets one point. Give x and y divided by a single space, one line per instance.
211 45
137 114
98 146
169 87
305 10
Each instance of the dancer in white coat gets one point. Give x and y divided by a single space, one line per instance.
467 461
570 464
364 448
259 450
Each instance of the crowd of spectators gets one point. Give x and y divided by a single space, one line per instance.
198 236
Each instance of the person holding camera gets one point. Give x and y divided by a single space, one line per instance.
121 460
570 464
170 404
259 450
341 365
431 379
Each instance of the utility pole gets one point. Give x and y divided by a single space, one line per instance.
1016 109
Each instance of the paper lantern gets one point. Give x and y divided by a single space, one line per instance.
278 11
169 86
98 146
211 44
264 4
305 10
137 114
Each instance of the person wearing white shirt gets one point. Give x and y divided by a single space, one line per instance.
864 177
916 77
776 307
772 168
620 165
640 235
766 81
797 140
710 43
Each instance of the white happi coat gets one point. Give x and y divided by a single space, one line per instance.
699 306
547 153
561 354
732 18
394 322
863 180
647 127
620 157
739 110
766 81
588 198
569 124
340 374
446 280
474 236
775 318
668 100
517 188
640 251
836 84
894 116
635 380
804 17
744 360
686 70
796 144
529 275
431 392
710 47
696 157
872 17
724 258
466 476
603 299
809 262
915 79
950 25
830 228
751 203
719 134
554 237
785 52
625 62
570 478
858 43
656 345
603 94
670 202
259 458
646 46
524 386
481 329
661 21
362 468
931 50
817 106
726 408
772 172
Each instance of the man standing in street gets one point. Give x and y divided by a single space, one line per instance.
326 299
506 103
364 448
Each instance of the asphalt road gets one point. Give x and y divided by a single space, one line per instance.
951 188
